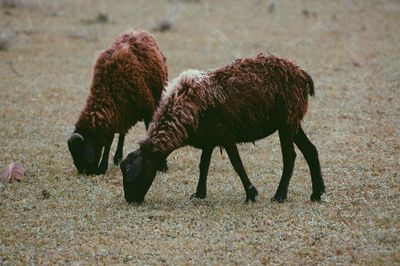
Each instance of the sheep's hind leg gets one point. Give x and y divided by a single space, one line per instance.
201 191
234 157
311 155
120 146
289 156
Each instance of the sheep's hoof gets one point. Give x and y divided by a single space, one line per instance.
102 170
316 196
251 194
199 195
278 198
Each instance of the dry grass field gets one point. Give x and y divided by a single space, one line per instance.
350 48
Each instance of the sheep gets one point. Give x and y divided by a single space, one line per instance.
128 80
245 101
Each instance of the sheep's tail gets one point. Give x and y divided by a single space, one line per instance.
310 83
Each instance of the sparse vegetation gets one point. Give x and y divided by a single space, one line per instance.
89 34
5 39
164 25
10 3
4 42
101 18
307 13
168 21
55 216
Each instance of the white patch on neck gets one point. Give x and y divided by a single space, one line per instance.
194 74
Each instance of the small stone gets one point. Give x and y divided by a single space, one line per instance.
45 194
268 222
13 172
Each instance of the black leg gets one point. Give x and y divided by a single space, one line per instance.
120 146
289 156
311 155
201 191
234 157
104 161
146 123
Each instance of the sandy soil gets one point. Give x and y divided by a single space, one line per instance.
351 49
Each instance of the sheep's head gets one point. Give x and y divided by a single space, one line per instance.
138 170
85 149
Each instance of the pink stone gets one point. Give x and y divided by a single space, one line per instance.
13 172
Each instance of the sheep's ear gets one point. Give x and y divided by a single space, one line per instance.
75 146
134 170
75 143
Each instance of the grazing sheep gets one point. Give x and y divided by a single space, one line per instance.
127 84
242 102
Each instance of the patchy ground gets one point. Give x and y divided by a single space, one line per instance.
351 49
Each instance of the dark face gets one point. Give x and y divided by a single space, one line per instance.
138 170
86 151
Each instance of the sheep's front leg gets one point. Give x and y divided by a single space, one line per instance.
201 191
104 161
234 157
289 156
311 155
120 146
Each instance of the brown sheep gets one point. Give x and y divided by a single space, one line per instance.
128 80
243 102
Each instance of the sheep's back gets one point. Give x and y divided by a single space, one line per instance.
242 102
128 80
260 94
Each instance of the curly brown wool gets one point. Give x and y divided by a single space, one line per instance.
128 80
240 97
